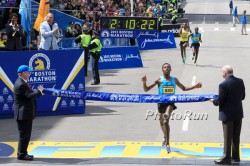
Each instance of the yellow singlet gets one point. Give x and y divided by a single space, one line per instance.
184 35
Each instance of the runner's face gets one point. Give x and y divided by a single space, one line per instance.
184 25
196 30
166 69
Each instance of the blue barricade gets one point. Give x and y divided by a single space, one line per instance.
120 57
61 69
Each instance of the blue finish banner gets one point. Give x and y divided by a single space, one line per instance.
131 98
161 40
61 69
120 57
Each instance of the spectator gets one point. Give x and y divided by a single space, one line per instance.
170 10
181 11
174 16
3 39
244 23
8 11
150 11
78 29
15 34
82 14
71 31
68 9
235 16
174 2
231 6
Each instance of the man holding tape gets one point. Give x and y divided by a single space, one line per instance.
231 94
166 85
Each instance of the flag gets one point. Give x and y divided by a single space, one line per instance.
42 12
25 12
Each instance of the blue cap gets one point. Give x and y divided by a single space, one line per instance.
23 68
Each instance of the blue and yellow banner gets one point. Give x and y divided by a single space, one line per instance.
58 69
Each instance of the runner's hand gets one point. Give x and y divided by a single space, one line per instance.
198 85
144 79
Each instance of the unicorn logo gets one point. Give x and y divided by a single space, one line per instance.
105 33
40 64
40 61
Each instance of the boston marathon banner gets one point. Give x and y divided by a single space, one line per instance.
58 69
147 40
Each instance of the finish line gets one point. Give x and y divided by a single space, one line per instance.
129 149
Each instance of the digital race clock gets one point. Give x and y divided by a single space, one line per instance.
131 23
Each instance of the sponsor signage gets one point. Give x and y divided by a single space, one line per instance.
121 33
120 57
156 41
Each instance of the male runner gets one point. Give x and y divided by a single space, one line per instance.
196 39
166 85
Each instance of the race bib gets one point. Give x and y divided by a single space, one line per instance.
196 38
168 90
185 36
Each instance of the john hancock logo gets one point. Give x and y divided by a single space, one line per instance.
42 72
